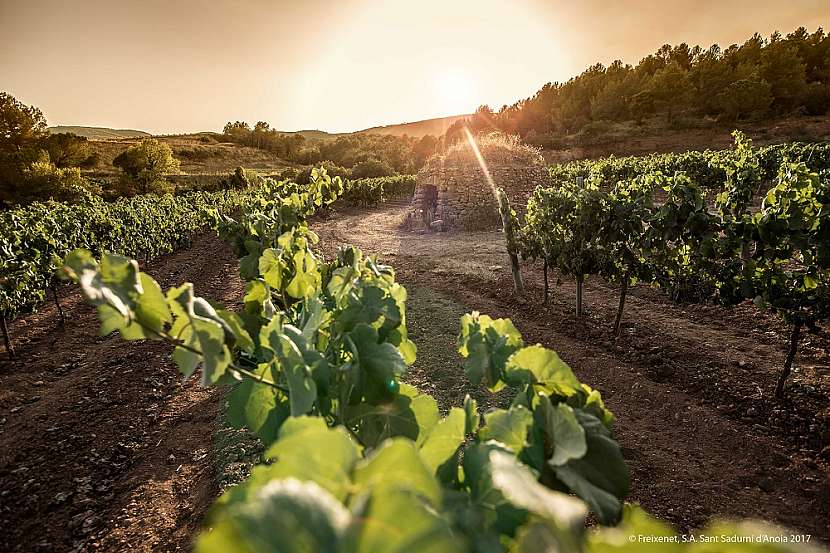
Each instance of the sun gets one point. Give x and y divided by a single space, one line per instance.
455 92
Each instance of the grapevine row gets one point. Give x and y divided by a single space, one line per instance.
664 230
706 168
356 460
373 191
34 239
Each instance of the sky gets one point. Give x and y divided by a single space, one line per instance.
173 66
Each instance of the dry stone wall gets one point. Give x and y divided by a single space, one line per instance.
458 194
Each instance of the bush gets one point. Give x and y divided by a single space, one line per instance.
372 168
145 166
308 156
42 181
195 154
289 174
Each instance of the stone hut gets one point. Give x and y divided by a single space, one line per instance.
454 189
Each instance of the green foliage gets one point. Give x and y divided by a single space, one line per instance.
371 168
761 77
745 97
371 192
43 181
145 166
21 126
706 168
69 150
32 238
355 461
631 221
239 180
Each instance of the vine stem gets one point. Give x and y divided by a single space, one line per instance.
795 337
57 301
6 336
623 291
176 342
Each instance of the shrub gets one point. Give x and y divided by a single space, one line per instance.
372 168
289 174
194 154
145 166
42 180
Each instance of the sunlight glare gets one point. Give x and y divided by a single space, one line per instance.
455 92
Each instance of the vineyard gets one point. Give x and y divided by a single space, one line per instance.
316 359
651 220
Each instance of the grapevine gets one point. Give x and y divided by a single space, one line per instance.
355 459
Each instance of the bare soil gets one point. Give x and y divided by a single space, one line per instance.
102 445
691 386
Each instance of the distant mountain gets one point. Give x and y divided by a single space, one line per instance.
416 129
98 133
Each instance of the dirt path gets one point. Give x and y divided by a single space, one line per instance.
102 447
690 385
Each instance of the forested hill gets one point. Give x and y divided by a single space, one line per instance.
682 85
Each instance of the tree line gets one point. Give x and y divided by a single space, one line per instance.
363 155
759 78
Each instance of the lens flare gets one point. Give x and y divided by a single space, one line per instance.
483 164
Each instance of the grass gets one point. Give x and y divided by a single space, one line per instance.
235 451
433 322
496 148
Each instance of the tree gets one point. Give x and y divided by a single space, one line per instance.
21 126
145 166
744 97
669 88
709 76
371 168
785 72
21 129
237 132
612 102
68 150
423 149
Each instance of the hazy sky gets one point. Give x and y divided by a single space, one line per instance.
189 65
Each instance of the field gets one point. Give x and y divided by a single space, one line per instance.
391 277
688 384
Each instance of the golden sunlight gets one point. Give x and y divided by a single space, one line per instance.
455 92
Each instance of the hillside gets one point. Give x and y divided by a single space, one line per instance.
98 133
627 139
416 129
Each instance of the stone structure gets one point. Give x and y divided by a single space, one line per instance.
454 190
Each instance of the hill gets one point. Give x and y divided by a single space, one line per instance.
416 129
316 134
98 133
